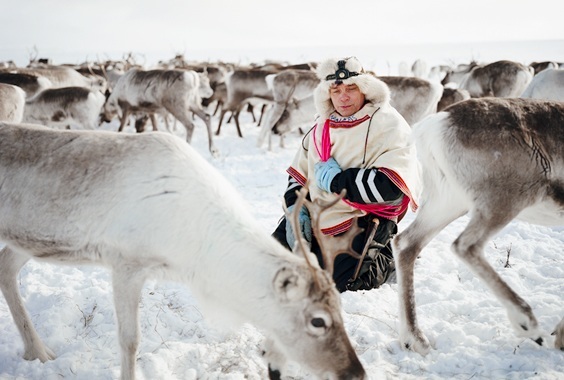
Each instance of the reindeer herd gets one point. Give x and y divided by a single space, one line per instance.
490 139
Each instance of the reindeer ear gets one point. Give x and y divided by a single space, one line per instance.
290 285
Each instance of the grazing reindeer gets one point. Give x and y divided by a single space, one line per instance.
296 114
154 91
148 205
500 79
287 86
496 159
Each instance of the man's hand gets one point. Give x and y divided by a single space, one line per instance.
325 172
305 226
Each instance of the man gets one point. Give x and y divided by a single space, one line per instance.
362 144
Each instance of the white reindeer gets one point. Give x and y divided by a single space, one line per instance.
176 91
496 159
547 84
149 206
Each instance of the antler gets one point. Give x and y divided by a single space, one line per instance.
293 218
331 246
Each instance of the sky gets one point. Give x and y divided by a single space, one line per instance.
72 306
102 28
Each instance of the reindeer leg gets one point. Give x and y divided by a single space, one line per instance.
251 110
431 218
124 118
559 335
154 122
185 120
469 247
263 108
10 265
217 105
127 283
207 120
220 121
236 116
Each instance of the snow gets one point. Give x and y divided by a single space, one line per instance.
72 307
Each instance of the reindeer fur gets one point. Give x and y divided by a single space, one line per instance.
149 206
496 159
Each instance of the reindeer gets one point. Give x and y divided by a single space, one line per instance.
65 107
451 96
287 86
414 98
149 206
496 159
62 76
245 86
541 66
499 79
154 91
32 84
12 103
297 114
547 84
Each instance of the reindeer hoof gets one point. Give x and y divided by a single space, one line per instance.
42 353
539 341
417 343
214 152
274 374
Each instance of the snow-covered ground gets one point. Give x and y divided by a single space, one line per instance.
73 311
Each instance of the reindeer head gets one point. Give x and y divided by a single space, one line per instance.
317 339
204 88
110 109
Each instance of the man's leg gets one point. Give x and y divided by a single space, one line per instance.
378 264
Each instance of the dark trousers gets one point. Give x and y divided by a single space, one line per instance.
345 265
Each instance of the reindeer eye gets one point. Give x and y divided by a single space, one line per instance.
318 322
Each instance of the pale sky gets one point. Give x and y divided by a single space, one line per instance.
101 26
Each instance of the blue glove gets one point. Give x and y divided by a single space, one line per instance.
305 226
325 172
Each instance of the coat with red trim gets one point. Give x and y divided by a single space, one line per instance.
377 155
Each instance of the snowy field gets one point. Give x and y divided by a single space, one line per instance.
472 339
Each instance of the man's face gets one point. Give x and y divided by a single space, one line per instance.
346 98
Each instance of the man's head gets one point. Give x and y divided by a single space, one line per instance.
345 87
347 99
